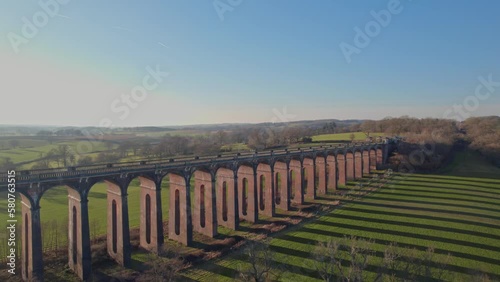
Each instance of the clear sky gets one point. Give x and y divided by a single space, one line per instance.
245 60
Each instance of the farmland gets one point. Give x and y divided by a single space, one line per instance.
455 215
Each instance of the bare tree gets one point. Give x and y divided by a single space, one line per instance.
14 143
352 137
261 259
165 266
326 259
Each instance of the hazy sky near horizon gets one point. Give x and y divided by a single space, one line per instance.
257 61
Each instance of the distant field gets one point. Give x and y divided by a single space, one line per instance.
30 150
235 147
454 214
358 136
54 207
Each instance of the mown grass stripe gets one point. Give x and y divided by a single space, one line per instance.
422 205
425 227
430 200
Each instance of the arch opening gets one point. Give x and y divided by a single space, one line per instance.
262 205
148 218
26 248
306 180
224 201
244 206
278 188
177 222
202 205
74 235
113 226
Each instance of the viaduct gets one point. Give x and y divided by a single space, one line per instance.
227 189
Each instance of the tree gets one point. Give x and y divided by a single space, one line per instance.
330 257
63 151
164 266
13 143
6 164
87 160
352 137
221 136
42 164
262 266
326 259
44 133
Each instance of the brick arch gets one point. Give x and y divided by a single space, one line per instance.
349 157
309 178
366 161
331 173
229 207
265 189
281 185
358 164
247 192
204 211
341 168
180 218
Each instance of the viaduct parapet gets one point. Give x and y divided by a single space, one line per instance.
227 189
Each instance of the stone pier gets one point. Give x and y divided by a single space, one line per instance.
204 208
320 165
79 253
309 176
151 224
281 184
118 237
358 165
227 197
32 257
331 165
297 195
247 194
342 169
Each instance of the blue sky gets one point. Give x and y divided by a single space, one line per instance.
258 58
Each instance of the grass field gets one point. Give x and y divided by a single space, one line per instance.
30 150
358 136
457 212
54 207
456 215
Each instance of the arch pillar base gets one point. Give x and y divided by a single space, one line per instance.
32 263
118 237
151 226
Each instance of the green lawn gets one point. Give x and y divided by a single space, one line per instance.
32 150
456 215
456 212
358 136
54 208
